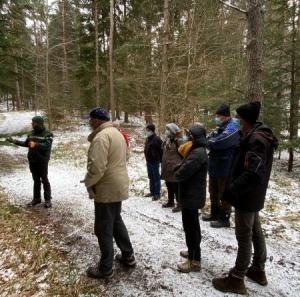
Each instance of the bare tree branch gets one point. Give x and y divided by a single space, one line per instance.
234 7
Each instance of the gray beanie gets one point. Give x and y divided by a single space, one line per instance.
173 128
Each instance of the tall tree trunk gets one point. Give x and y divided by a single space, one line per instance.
111 65
65 74
47 85
165 70
294 100
97 67
255 19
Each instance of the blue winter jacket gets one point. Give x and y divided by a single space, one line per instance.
221 142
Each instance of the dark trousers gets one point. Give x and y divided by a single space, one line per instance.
154 177
108 226
191 227
39 173
216 190
172 188
248 230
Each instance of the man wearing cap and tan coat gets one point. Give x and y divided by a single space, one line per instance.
246 189
39 143
107 182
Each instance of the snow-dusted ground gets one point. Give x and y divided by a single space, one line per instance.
156 233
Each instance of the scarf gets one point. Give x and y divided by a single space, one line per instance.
185 148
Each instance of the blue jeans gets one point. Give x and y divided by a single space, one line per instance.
248 231
154 177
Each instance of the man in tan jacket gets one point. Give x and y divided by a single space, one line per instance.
107 183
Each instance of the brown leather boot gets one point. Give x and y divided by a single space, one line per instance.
168 204
231 283
177 208
258 276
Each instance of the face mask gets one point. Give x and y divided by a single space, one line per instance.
218 121
148 133
237 123
185 138
167 133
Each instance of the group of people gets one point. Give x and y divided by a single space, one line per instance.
238 162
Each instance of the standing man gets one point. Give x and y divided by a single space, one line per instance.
220 143
107 183
39 143
153 153
246 189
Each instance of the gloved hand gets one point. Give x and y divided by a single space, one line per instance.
9 139
31 144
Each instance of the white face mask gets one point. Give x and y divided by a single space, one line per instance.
167 133
237 123
185 138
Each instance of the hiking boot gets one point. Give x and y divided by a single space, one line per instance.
220 224
210 217
149 195
184 254
168 204
155 197
34 202
231 283
189 266
126 261
177 208
95 272
258 276
48 204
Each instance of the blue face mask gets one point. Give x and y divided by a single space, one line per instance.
237 123
167 133
218 121
185 138
148 133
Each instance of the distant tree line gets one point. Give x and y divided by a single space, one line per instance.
171 60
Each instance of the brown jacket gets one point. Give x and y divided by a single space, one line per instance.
107 179
170 158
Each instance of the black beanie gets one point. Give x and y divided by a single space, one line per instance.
249 112
223 110
151 127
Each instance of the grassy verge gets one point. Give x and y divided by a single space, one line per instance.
30 265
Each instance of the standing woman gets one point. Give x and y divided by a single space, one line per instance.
171 157
191 175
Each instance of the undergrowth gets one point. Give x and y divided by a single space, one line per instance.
30 265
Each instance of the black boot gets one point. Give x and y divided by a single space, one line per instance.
34 202
223 221
214 214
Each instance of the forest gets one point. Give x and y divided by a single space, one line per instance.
169 60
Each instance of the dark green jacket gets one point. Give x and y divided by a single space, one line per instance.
41 152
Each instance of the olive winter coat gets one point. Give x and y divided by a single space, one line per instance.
107 179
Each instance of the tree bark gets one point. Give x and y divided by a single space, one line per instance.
111 64
255 21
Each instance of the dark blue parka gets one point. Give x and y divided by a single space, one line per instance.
251 168
42 150
192 173
220 143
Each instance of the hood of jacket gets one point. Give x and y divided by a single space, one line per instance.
263 130
199 136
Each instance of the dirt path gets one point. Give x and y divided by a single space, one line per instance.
156 235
